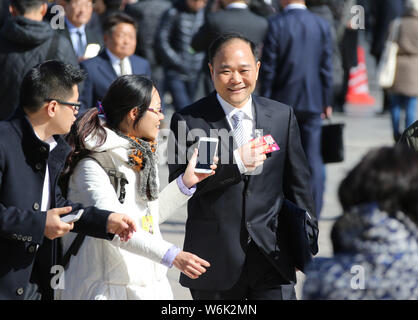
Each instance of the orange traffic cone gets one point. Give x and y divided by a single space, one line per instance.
358 83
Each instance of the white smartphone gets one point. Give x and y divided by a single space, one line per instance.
72 217
208 148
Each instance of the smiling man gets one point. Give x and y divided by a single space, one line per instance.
116 60
232 218
32 155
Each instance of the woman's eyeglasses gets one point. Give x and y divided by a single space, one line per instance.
157 111
74 105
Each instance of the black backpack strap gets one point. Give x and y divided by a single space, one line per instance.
73 249
52 51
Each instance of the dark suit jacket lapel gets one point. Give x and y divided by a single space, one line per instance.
136 69
106 67
92 36
263 114
216 118
215 115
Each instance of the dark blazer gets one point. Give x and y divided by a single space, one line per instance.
23 158
296 64
100 75
228 206
93 35
249 24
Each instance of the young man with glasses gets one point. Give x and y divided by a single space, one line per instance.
32 155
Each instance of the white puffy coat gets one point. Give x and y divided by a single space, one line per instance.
105 269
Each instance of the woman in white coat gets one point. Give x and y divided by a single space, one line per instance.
135 269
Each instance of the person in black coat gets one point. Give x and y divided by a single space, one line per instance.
147 14
181 64
235 16
233 216
32 155
25 41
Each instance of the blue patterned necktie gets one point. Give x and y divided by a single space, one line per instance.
238 128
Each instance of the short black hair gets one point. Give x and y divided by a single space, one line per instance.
24 6
50 79
387 176
113 19
216 45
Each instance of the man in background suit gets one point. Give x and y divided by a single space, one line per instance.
147 14
232 217
78 30
234 17
117 59
296 69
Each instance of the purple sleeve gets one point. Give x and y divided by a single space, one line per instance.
170 255
183 188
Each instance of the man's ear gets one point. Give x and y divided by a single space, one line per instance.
211 70
51 109
257 68
44 9
13 11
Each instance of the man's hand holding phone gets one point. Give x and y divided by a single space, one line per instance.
54 227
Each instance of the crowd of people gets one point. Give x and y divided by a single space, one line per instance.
85 90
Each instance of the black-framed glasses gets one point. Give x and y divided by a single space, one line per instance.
74 105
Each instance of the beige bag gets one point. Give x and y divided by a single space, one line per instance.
387 65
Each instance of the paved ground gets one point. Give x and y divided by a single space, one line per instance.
364 129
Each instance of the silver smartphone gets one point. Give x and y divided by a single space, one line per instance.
72 217
208 148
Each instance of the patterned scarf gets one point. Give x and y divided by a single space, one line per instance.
142 159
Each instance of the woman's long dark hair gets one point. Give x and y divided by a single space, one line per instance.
124 94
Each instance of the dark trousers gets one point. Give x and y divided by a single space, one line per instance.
259 280
310 133
182 91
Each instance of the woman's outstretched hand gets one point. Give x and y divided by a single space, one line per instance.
190 177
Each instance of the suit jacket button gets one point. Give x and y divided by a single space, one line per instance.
19 291
38 166
24 238
14 236
29 239
31 248
36 206
19 237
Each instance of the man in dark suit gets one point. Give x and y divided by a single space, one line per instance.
78 29
233 216
32 155
235 16
117 59
296 69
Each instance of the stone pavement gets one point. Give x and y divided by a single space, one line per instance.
364 129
